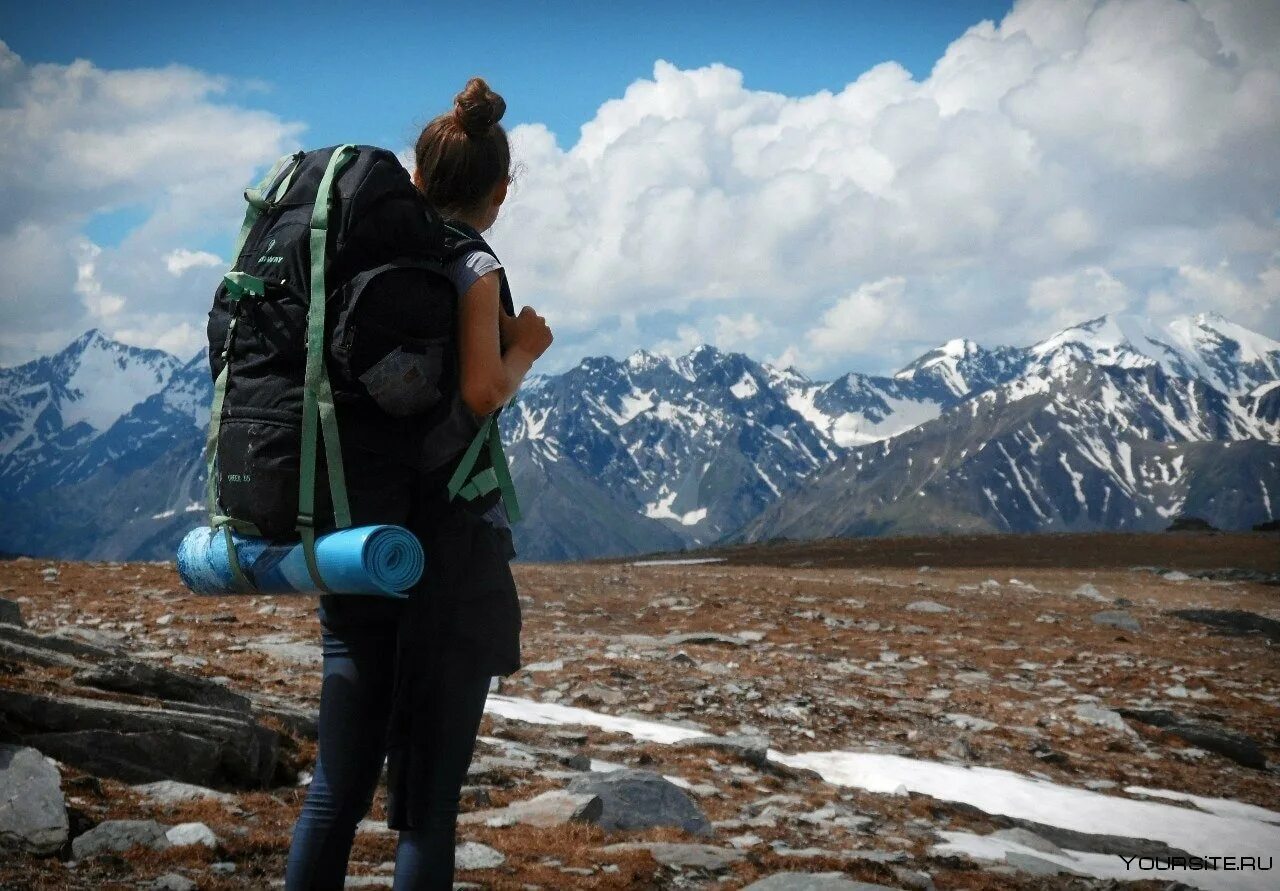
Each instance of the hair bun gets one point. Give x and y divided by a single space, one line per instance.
478 108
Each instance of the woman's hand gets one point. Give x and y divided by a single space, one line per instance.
529 333
506 330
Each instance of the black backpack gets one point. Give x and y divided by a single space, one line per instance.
337 325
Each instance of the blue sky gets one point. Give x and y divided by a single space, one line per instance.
375 72
375 69
832 185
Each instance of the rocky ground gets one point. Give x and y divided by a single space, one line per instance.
182 727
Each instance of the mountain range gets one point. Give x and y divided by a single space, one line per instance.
1116 423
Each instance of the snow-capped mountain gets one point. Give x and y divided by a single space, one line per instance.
55 410
1114 423
1206 347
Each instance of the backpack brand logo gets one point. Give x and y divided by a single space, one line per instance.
266 254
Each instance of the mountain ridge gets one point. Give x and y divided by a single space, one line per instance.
683 451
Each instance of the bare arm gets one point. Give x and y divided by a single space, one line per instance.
496 350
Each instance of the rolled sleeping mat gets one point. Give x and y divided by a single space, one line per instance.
377 560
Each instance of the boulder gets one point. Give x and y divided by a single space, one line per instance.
1089 592
185 834
473 855
11 613
33 812
1102 717
171 881
1231 621
113 836
751 749
927 606
638 799
704 637
143 679
812 881
174 792
140 744
554 808
683 856
1212 738
1037 866
1029 839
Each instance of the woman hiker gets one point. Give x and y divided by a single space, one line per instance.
407 682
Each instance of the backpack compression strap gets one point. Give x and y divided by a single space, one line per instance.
496 476
239 285
318 415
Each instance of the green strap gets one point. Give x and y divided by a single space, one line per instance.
256 205
240 284
211 443
496 476
239 580
215 420
318 415
499 461
469 458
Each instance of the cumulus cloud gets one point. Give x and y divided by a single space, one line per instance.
77 141
1074 158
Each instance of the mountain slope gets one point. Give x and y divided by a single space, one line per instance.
1113 423
1072 446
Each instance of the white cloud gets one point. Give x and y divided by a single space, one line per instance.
1074 154
1066 299
180 260
1077 156
873 312
77 141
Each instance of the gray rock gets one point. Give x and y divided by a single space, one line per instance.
684 856
141 744
970 722
812 881
1102 717
185 834
1094 843
703 637
913 879
1089 592
752 749
142 679
1116 618
1237 746
119 835
864 855
1231 621
473 855
303 722
33 812
11 613
554 808
1036 866
638 799
283 648
171 881
173 792
1028 839
927 606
